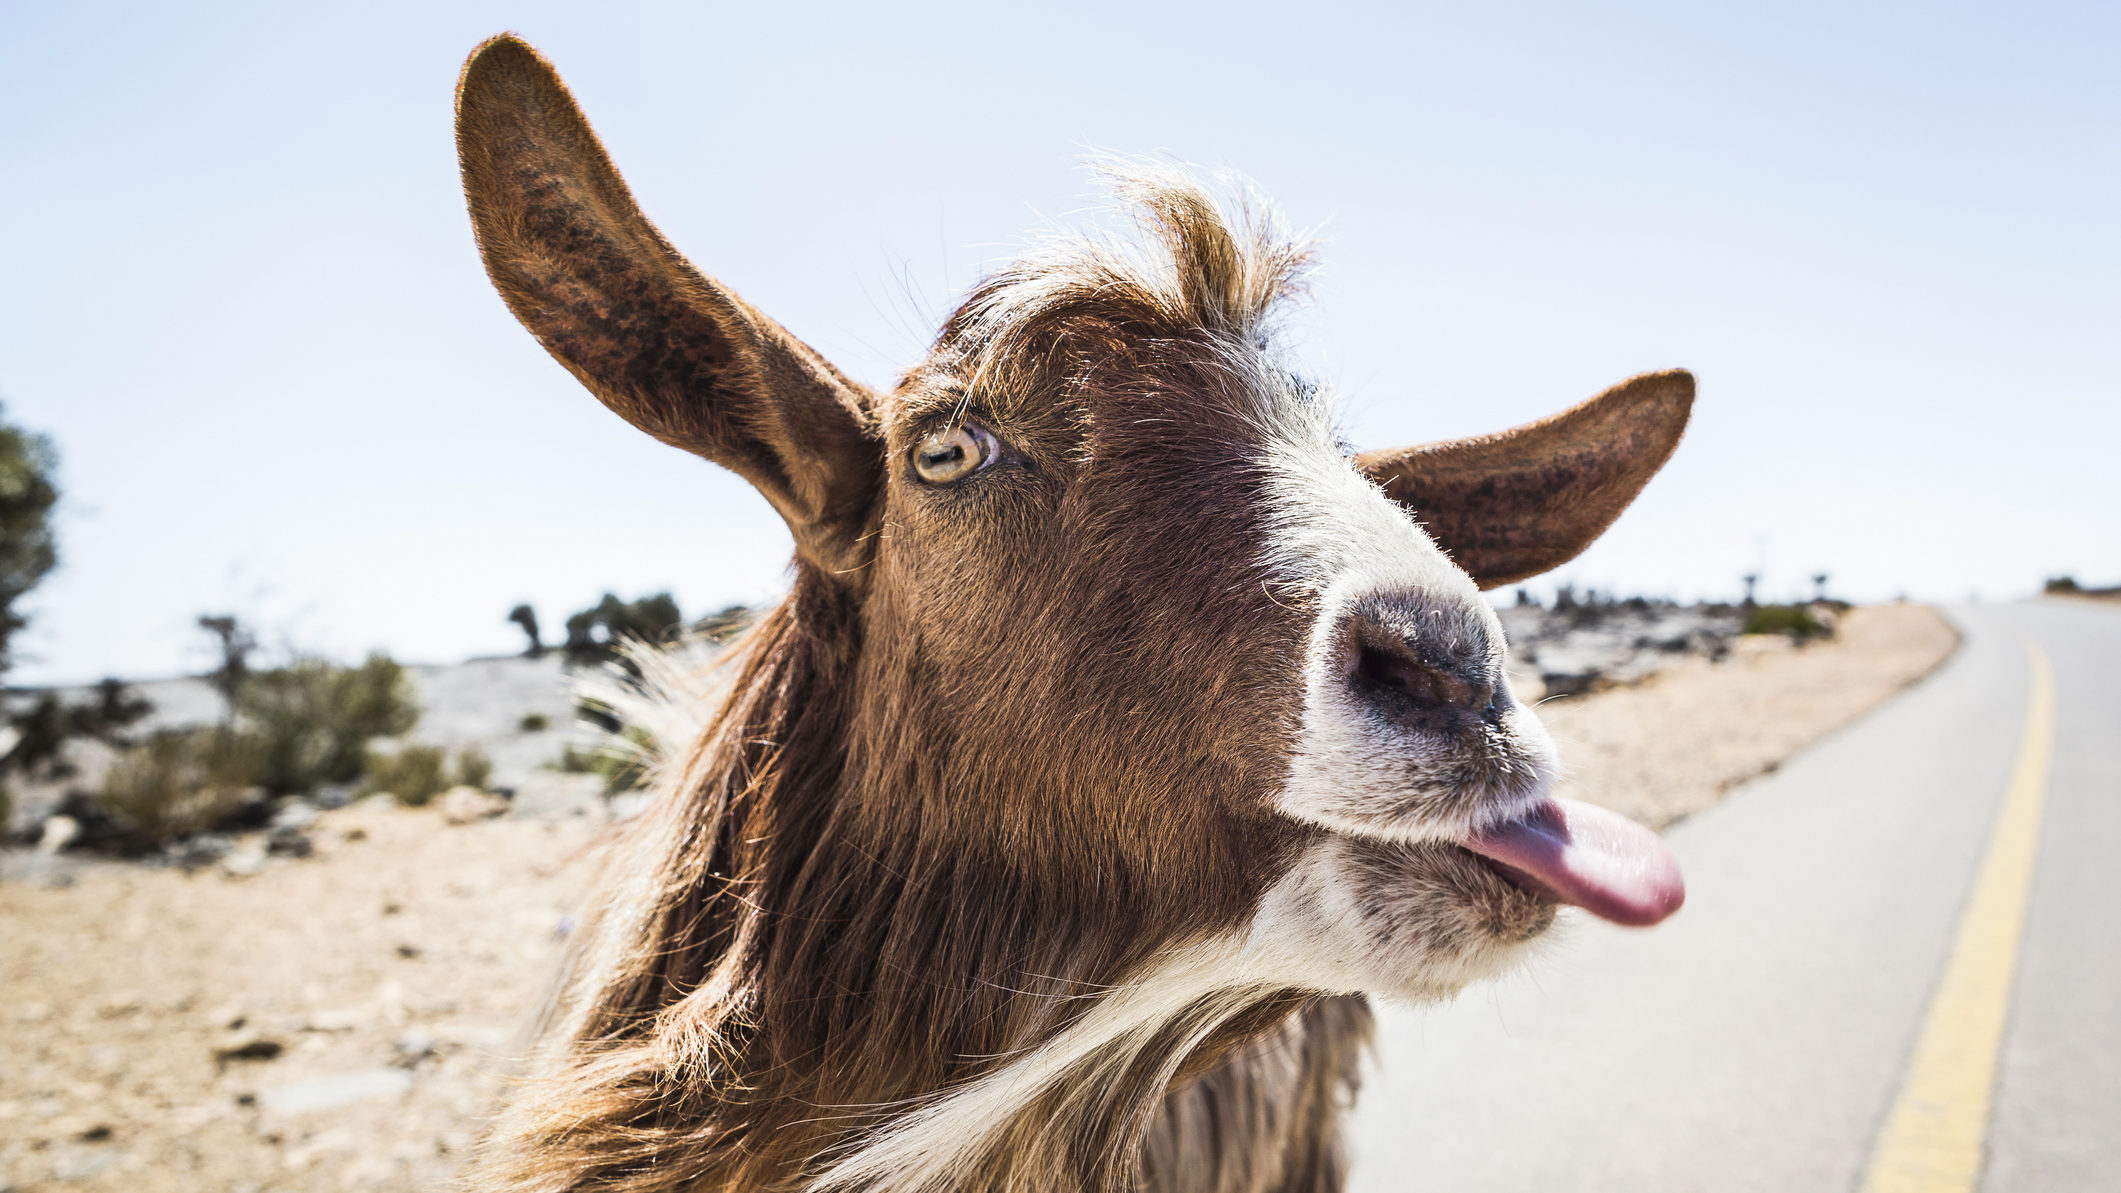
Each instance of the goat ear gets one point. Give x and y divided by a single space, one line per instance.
666 348
1513 505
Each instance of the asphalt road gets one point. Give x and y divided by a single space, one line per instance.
1758 1040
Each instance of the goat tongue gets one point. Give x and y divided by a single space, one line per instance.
1600 861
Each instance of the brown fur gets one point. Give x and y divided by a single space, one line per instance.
1527 500
1003 745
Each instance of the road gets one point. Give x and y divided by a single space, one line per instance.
1761 1039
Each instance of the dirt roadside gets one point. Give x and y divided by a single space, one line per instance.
342 1021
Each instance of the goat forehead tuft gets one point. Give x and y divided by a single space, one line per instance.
1200 266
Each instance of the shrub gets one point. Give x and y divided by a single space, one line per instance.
1797 621
42 731
182 781
594 634
2062 584
415 774
620 765
534 722
314 719
474 768
28 547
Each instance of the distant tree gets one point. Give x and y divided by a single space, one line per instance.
41 731
28 547
1752 581
1819 580
2063 584
527 618
726 621
236 642
594 634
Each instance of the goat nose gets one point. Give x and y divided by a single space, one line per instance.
1403 676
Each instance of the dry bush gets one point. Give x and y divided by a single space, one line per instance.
413 773
314 719
182 781
474 768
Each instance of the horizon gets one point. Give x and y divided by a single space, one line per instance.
248 312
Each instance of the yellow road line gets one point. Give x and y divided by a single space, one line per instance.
1932 1140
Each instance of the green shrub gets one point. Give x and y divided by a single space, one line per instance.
594 634
2063 584
1797 621
474 768
415 774
28 547
534 722
314 719
575 762
182 781
620 766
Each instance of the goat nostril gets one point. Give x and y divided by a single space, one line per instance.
1392 671
1385 670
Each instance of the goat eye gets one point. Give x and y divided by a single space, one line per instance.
954 453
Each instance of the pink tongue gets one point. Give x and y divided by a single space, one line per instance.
1600 861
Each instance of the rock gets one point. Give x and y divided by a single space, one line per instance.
247 1048
245 859
288 842
414 1047
553 795
198 851
330 1093
464 805
59 832
1570 683
293 813
335 1021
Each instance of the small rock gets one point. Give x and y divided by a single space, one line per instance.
199 851
81 1164
463 805
59 832
288 842
244 860
293 813
249 1048
330 1093
414 1047
335 1021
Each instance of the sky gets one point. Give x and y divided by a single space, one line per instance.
239 292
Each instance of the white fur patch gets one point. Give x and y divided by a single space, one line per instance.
1310 932
1337 540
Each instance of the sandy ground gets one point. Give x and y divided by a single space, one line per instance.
1674 744
341 1022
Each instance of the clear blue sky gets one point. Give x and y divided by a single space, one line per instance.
238 289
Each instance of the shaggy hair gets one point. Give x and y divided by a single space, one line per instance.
774 975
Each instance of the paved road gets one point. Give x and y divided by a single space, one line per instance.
1756 1041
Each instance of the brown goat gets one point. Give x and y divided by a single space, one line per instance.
1119 733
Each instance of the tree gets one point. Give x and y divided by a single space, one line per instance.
237 642
28 547
527 618
594 634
